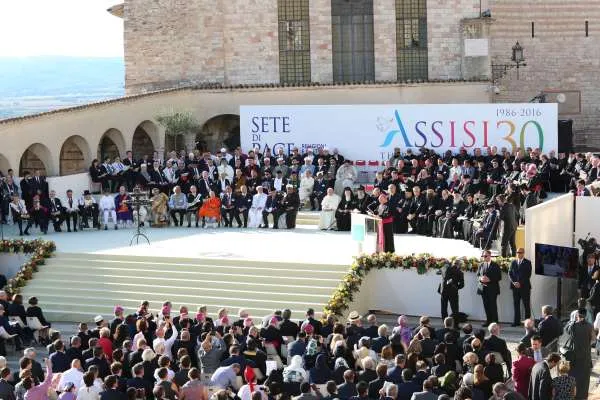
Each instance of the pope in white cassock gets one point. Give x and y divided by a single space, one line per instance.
329 205
259 200
107 209
346 175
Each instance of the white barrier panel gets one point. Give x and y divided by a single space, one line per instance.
587 211
550 223
370 132
77 183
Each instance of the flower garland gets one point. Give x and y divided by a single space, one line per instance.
344 294
39 250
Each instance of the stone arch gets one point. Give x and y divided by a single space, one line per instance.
4 164
74 156
37 156
145 139
218 131
112 144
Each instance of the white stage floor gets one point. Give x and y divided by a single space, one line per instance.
304 245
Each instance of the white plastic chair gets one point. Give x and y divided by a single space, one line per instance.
36 326
16 321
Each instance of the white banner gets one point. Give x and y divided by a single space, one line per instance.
370 132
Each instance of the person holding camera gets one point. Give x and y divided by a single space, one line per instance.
452 281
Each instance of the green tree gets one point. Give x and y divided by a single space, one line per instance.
180 124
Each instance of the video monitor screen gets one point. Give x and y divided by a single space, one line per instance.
556 261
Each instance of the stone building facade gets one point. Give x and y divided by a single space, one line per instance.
170 43
560 41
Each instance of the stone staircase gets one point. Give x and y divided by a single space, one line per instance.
77 286
307 219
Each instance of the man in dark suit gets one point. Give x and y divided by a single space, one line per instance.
488 286
586 276
540 384
408 386
495 344
549 327
204 184
7 391
508 215
348 388
289 206
228 207
271 207
519 273
55 210
99 361
132 172
452 281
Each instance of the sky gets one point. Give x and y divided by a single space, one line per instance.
81 28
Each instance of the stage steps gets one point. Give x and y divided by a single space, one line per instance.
75 287
307 219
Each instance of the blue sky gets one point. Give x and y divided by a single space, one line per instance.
60 27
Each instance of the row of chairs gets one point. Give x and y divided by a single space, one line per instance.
33 323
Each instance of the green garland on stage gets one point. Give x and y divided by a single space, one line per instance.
343 295
39 250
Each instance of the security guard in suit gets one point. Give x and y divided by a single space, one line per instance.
452 281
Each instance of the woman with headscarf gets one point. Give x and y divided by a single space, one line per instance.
295 373
246 391
403 330
343 213
449 383
320 373
340 364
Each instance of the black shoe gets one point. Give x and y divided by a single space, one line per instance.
26 233
189 225
275 227
116 228
514 325
196 224
69 230
105 227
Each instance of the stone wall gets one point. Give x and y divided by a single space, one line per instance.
560 58
445 36
173 43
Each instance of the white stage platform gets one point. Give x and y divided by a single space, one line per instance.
301 244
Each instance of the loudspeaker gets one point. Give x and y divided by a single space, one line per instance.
565 136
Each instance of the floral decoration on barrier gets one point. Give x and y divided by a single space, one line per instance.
39 250
422 263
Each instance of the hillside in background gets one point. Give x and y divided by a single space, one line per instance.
30 85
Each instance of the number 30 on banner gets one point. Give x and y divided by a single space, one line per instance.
512 129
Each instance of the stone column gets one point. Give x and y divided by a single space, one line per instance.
321 57
384 25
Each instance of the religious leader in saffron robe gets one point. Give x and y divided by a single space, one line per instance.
211 208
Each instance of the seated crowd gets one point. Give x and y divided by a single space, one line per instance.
193 356
445 195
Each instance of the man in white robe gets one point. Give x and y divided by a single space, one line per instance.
107 209
328 205
346 175
259 200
